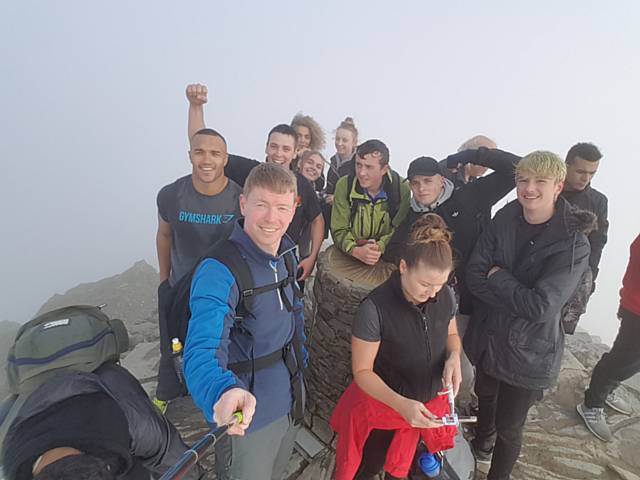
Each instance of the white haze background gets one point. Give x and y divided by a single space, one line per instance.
93 114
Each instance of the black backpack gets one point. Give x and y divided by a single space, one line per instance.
227 252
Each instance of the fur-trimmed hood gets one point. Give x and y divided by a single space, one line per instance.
576 219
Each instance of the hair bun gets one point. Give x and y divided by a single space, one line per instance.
430 227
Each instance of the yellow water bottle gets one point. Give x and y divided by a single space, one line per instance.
176 350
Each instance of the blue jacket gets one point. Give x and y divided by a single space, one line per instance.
210 346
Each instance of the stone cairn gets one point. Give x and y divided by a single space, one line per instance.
328 326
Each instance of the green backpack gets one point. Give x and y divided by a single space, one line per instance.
79 337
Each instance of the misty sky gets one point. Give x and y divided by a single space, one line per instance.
93 113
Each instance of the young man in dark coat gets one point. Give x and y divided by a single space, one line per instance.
524 268
582 162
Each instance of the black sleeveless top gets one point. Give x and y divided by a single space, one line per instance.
413 339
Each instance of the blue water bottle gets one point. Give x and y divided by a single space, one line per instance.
429 464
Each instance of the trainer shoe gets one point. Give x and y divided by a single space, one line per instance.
618 403
160 405
596 421
482 456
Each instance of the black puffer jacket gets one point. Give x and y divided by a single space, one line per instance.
155 442
515 334
593 201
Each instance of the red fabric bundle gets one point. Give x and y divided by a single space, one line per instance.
357 414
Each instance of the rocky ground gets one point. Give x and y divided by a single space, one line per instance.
557 446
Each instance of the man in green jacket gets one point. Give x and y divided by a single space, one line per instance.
367 208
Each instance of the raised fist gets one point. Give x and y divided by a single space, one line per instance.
197 94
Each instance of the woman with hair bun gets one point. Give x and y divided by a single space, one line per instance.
342 163
405 348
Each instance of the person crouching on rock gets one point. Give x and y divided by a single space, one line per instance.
405 348
524 268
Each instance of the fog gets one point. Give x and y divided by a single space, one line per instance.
93 113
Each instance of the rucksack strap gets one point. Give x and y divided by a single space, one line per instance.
247 366
391 185
228 253
295 366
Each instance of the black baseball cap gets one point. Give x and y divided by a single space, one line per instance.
426 166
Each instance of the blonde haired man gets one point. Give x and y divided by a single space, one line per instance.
524 268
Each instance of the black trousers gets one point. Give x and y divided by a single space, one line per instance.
502 414
620 363
374 455
169 385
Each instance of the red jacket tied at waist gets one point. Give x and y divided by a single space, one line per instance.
357 414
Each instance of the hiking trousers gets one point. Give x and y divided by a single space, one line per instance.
502 414
169 385
620 363
260 455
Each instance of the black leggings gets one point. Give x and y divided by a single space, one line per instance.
374 455
620 363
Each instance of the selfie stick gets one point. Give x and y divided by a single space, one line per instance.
191 456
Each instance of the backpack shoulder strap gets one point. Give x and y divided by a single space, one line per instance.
291 263
394 195
228 253
353 206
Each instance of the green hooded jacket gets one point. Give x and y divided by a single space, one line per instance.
355 216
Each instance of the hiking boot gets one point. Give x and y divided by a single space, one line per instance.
482 456
618 403
596 421
160 405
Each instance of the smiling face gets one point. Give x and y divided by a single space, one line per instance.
267 216
345 142
537 193
580 172
420 283
370 173
312 167
281 149
208 157
426 189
